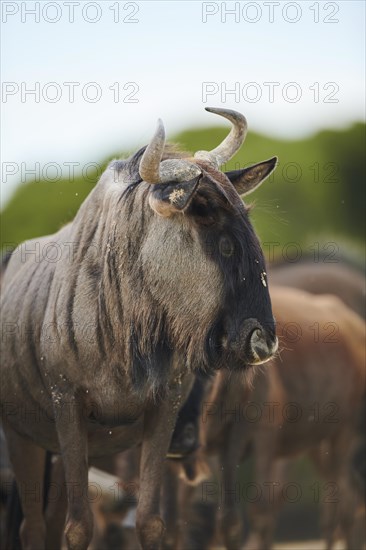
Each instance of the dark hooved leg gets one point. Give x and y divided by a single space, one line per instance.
56 506
341 499
28 462
269 478
158 427
72 435
200 510
10 534
170 509
231 522
351 510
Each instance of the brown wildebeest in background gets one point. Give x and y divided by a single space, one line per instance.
338 277
316 389
99 345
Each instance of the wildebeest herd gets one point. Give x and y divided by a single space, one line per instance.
154 320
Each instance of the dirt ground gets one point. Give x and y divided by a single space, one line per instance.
307 545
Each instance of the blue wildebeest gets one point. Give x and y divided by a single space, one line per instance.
160 273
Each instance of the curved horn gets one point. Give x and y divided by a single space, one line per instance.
232 143
150 161
153 170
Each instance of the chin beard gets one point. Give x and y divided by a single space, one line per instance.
240 373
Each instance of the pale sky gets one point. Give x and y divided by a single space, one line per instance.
293 69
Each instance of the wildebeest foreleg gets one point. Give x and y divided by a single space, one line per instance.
72 435
28 461
269 474
231 516
158 428
56 506
170 505
340 500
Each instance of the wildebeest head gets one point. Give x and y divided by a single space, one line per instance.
197 271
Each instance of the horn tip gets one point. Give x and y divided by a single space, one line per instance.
160 130
234 116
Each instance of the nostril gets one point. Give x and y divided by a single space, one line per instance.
256 336
261 347
252 341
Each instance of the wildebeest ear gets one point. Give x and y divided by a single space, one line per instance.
167 199
248 179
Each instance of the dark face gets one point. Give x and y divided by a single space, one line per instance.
242 329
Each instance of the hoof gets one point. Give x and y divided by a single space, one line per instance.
232 532
78 535
151 532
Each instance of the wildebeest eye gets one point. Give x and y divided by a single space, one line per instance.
203 212
226 247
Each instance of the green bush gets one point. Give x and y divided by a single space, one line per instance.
317 189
